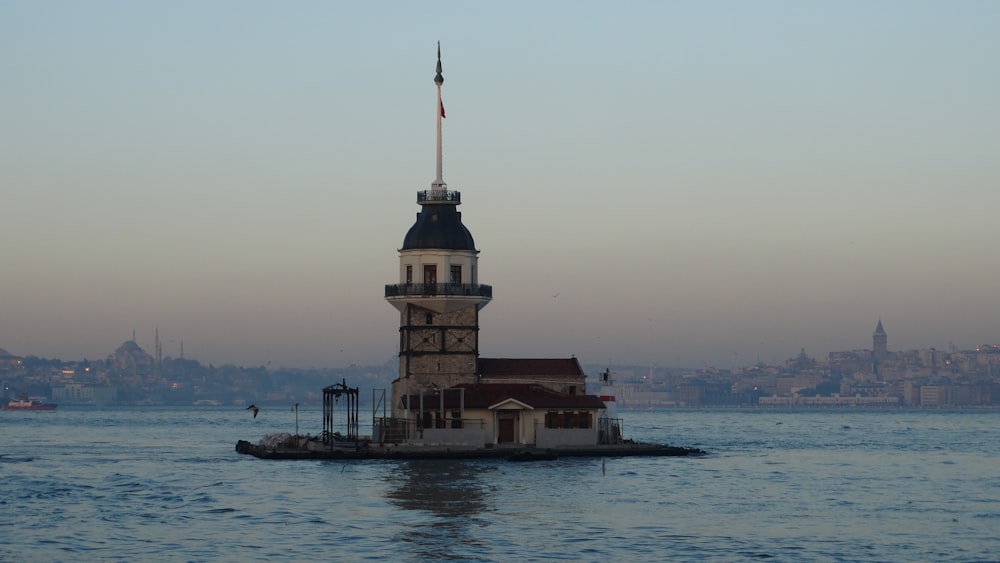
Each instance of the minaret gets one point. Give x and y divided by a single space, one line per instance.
438 295
880 347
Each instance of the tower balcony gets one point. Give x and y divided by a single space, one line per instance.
439 297
439 196
438 290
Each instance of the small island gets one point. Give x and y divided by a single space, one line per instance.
473 432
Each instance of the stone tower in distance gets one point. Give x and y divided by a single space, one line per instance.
438 295
880 347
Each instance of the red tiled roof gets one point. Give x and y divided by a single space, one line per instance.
501 367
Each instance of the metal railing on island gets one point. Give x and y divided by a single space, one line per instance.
442 196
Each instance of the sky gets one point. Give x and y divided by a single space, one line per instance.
680 184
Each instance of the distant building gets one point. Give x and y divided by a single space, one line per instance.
131 360
9 361
935 395
83 394
880 347
828 401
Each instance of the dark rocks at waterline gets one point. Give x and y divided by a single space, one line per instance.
364 450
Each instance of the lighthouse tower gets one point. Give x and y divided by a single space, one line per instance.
438 295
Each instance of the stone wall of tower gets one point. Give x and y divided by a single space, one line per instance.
880 347
455 370
441 352
424 361
427 331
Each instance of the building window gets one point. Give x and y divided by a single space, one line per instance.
456 274
430 274
409 273
429 318
552 419
572 390
569 419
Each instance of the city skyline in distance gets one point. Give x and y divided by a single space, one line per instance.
670 185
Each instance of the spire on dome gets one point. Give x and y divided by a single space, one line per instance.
438 184
439 80
879 329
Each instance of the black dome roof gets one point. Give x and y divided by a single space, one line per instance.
439 226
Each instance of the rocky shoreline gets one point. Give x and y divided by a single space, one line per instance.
365 451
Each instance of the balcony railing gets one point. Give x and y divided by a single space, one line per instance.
439 195
439 290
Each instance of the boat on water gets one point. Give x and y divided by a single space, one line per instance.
27 405
207 403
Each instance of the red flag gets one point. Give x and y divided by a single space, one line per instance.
442 109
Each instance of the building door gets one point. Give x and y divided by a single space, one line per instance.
505 429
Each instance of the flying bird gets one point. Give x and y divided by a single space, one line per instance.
254 409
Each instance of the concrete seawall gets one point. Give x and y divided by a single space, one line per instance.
363 451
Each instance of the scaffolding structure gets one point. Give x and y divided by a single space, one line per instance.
331 397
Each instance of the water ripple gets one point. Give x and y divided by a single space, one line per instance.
820 486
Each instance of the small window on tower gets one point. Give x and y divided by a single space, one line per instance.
456 274
409 273
430 318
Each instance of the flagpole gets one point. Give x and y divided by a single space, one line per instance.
439 110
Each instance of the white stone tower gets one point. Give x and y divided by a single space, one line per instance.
438 295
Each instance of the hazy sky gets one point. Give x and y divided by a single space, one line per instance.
700 183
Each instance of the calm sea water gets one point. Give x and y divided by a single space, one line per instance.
812 485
